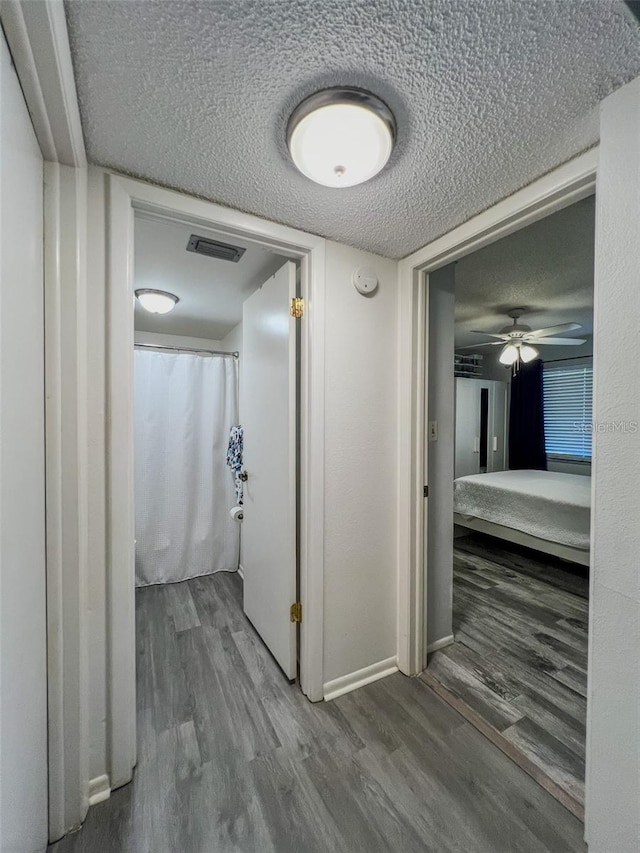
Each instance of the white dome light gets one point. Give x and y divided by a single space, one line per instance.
157 301
341 137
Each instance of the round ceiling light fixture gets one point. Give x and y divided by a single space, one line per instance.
156 301
341 137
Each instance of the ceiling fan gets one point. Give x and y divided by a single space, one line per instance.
517 340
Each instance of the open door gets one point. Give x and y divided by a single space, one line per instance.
268 408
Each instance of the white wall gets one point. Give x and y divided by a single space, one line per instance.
613 737
23 619
160 339
232 342
440 463
360 465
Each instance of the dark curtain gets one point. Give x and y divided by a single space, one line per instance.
526 419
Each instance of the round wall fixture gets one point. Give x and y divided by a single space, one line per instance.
341 137
157 301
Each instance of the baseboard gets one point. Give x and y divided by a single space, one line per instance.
241 571
99 790
440 644
347 683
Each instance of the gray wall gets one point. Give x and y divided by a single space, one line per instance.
613 737
440 454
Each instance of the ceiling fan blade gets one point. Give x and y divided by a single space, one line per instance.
553 330
482 344
562 342
489 334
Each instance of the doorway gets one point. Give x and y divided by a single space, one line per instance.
508 454
128 200
216 417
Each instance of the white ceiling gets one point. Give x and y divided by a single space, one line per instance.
487 96
211 291
546 268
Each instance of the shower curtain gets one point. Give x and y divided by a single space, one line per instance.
185 405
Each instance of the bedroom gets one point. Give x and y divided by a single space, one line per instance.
509 458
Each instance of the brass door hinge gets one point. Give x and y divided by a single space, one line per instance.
296 612
297 307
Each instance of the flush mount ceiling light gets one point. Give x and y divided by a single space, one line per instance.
157 301
341 137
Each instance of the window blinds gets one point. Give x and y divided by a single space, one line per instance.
568 393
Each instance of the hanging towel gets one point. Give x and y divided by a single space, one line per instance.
234 459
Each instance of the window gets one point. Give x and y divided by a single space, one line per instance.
568 393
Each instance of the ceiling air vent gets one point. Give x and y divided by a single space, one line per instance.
215 249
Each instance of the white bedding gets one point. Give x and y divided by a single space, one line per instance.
546 504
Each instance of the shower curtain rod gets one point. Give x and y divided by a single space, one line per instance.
235 354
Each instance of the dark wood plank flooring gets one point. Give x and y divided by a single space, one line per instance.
520 654
234 758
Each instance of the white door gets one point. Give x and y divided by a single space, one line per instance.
268 414
467 429
23 683
497 426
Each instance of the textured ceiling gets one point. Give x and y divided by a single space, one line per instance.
487 96
546 268
211 291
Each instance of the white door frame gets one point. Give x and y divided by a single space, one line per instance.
569 183
124 196
39 43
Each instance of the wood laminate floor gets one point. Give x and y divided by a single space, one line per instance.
234 758
520 654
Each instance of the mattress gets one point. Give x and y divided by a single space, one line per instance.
546 504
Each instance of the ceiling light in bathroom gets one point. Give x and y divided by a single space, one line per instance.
157 301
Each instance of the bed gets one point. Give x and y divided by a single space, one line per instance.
544 510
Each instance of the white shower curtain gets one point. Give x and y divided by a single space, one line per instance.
185 405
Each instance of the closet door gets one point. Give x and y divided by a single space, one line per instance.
467 457
496 455
268 406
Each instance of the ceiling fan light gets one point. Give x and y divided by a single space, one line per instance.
509 355
156 301
528 353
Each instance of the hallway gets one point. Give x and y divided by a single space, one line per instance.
231 757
